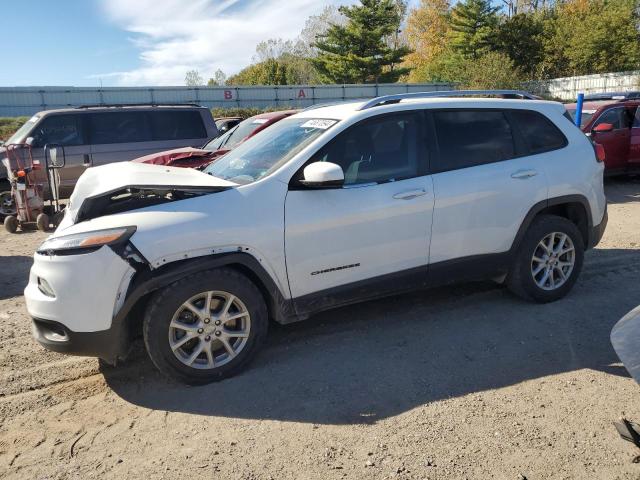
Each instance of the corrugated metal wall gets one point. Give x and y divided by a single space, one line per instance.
17 101
567 88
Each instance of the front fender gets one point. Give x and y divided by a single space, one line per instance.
148 281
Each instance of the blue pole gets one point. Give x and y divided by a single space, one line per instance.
578 118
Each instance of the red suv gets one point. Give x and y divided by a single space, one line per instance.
616 126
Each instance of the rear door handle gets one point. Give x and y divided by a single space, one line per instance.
524 174
409 195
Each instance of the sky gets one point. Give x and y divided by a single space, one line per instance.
139 42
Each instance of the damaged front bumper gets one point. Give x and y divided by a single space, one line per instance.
73 299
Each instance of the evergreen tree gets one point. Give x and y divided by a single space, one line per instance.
473 25
359 51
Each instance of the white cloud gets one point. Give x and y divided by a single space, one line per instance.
177 35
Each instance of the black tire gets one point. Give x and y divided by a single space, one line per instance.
11 224
42 222
168 301
520 279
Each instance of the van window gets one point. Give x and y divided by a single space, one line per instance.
377 150
119 127
467 138
177 125
539 132
60 130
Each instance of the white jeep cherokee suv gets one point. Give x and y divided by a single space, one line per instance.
334 205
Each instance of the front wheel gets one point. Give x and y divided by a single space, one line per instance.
205 327
549 260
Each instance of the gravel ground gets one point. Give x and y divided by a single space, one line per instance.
458 382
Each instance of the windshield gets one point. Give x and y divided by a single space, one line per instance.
216 143
22 132
584 118
267 151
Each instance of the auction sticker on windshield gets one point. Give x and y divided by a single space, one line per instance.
322 124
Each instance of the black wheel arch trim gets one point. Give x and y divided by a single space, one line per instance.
149 281
551 202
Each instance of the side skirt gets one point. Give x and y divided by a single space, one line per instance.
477 267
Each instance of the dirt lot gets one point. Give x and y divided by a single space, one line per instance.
461 382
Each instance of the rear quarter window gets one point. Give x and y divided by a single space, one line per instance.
540 134
177 125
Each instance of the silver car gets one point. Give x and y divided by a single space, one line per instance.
92 136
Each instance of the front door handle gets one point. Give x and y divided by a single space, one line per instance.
524 174
409 195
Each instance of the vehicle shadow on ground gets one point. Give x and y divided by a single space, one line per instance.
367 362
622 189
14 275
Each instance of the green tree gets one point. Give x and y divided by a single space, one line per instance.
493 70
521 38
269 72
592 36
360 50
473 25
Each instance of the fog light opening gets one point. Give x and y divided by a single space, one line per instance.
45 288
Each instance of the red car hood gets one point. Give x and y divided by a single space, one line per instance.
165 158
188 157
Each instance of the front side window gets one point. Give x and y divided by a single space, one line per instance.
119 127
63 130
620 118
264 153
177 125
539 132
377 150
468 138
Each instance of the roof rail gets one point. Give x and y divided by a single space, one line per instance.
121 105
330 104
387 99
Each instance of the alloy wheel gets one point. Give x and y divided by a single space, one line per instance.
553 261
209 330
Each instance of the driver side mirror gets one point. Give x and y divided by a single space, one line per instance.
54 155
323 175
603 128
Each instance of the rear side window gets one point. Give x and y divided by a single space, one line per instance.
540 134
381 149
468 138
177 125
119 127
60 130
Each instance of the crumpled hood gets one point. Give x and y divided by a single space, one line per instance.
100 186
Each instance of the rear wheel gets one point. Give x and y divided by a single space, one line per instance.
11 224
548 261
205 327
